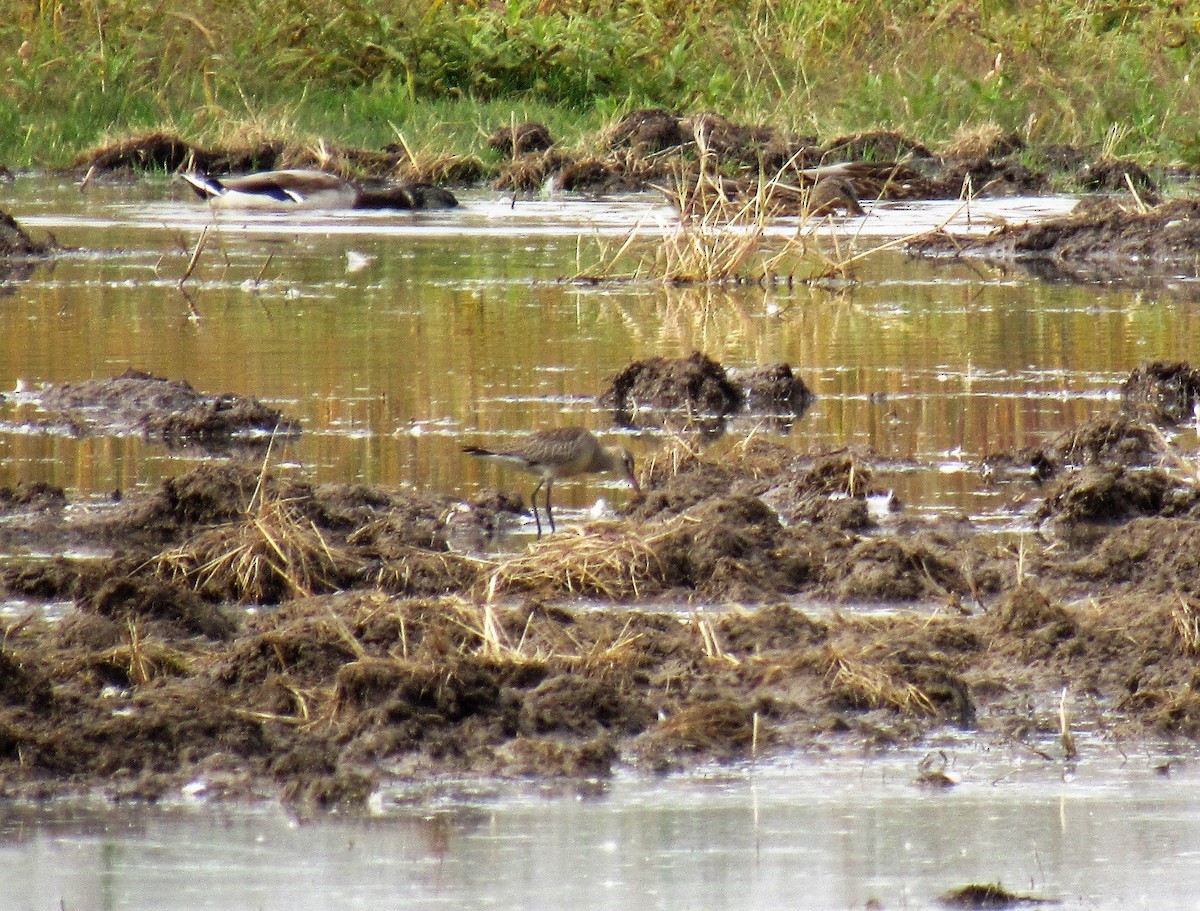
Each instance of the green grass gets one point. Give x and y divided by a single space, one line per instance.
446 73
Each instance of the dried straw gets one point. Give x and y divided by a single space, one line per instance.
598 560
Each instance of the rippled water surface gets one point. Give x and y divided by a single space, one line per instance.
396 337
1110 834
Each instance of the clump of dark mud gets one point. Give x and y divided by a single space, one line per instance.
1112 175
695 384
648 130
15 242
987 177
162 409
697 391
651 148
1168 392
392 653
1100 239
1119 440
232 534
405 195
989 895
772 387
527 137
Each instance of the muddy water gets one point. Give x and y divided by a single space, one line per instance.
809 834
397 337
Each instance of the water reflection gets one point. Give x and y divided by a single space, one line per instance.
394 337
807 834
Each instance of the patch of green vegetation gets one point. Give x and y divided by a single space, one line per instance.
446 72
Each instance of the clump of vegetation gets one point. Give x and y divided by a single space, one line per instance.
443 73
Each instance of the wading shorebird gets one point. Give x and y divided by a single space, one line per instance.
560 453
298 188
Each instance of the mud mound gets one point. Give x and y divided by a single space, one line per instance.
831 491
988 177
527 137
167 410
874 145
405 196
772 387
166 151
1115 175
647 130
897 570
1110 495
735 549
1118 440
1103 239
1168 391
671 489
34 497
232 534
695 384
15 242
1155 554
758 146
1026 612
172 611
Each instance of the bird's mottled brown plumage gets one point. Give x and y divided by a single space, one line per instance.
560 453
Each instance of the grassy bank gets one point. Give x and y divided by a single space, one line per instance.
445 73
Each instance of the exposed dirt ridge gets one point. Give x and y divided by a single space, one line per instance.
395 653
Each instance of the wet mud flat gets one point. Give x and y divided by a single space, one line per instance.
1102 239
242 632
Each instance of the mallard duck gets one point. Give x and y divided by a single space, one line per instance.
294 188
560 453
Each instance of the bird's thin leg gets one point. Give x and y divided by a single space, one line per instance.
533 503
549 511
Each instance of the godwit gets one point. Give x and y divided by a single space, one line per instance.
560 453
291 189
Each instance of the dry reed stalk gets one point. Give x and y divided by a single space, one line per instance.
677 451
481 622
195 260
273 551
602 560
145 660
603 654
874 687
1187 626
708 637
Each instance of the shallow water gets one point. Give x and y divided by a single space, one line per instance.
397 337
807 834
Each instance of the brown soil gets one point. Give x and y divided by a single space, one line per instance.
696 392
393 653
1164 391
169 411
15 243
1103 238
652 147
